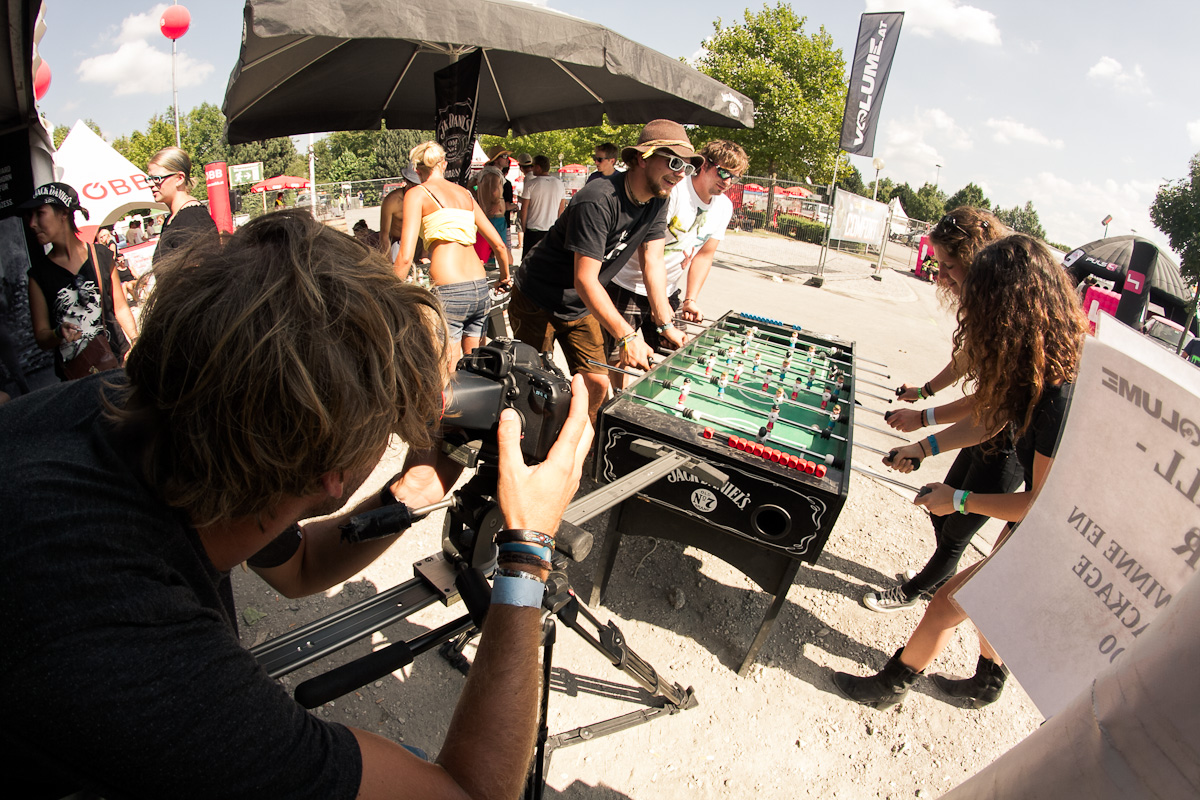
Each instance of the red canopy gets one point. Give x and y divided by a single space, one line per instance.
794 191
753 187
279 183
573 168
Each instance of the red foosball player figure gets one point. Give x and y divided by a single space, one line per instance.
708 364
787 364
825 395
737 373
795 390
772 417
767 381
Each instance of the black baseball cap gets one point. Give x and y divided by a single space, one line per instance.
55 194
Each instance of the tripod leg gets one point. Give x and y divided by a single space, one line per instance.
764 630
608 557
452 650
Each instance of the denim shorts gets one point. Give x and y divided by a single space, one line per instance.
466 305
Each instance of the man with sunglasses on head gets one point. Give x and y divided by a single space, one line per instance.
698 212
606 161
561 293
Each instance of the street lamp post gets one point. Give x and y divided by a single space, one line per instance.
1105 222
938 179
878 164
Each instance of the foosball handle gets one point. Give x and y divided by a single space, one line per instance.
892 455
924 490
573 542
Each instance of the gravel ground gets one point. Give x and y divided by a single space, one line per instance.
783 731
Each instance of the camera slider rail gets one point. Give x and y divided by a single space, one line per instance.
435 576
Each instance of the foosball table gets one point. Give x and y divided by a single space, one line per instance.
768 404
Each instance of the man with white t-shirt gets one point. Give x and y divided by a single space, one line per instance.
698 212
542 201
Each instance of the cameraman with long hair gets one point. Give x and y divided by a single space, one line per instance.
271 373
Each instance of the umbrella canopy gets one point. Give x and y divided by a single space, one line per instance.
753 187
279 183
308 66
109 184
1109 259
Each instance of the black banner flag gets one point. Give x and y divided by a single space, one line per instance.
877 37
456 89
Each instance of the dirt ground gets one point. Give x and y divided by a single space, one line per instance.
782 731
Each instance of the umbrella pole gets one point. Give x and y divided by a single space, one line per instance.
312 177
832 189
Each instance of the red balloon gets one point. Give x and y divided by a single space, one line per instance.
41 80
174 22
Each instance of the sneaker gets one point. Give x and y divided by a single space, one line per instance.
907 575
887 602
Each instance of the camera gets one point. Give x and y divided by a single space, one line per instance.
504 374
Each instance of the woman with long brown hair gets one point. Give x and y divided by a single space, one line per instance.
446 217
986 468
1020 334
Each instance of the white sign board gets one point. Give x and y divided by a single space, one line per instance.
245 173
1114 533
857 219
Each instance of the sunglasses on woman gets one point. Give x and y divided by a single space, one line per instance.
157 180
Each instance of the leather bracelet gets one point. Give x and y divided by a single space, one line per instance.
923 422
525 558
928 390
524 547
524 535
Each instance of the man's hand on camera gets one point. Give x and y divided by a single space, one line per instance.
534 497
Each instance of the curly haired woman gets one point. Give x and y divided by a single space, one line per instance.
1020 334
983 468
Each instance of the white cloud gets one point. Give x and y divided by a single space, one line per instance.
140 27
1109 70
139 67
1193 132
914 146
943 18
1030 47
1008 130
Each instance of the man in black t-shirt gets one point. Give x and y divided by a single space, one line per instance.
560 292
129 497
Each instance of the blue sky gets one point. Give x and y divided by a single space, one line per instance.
1083 108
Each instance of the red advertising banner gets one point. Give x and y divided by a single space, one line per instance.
216 175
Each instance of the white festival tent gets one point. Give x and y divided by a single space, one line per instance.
109 185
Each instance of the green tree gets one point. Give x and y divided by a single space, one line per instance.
392 149
851 180
969 195
140 146
346 156
798 85
1022 220
886 187
930 204
1176 212
572 145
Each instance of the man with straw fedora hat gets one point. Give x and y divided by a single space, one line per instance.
561 293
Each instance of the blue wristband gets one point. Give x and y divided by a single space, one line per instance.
933 445
508 591
522 547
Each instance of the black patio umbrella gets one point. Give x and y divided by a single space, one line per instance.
308 66
1109 259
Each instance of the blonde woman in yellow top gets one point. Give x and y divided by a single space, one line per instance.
446 218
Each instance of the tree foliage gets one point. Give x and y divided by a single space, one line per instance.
1022 220
851 180
969 195
927 203
886 187
571 145
798 85
1176 212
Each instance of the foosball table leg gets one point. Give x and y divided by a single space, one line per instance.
608 556
781 592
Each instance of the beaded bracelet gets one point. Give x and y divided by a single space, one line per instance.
933 445
524 535
928 389
923 422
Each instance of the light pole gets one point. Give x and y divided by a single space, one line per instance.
938 179
1105 222
174 23
878 164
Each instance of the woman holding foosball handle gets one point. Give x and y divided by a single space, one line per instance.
988 468
1019 337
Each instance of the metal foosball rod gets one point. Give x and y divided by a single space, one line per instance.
833 351
878 477
701 345
739 326
841 384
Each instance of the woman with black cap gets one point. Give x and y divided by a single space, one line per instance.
73 307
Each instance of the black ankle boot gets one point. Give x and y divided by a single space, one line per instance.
979 690
882 690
